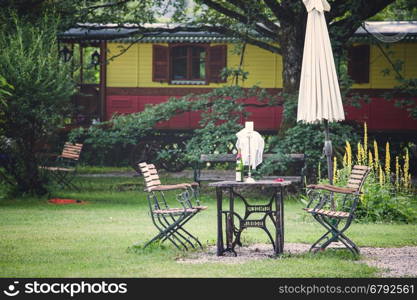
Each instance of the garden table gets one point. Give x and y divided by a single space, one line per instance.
274 210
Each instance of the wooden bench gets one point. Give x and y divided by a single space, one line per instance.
201 173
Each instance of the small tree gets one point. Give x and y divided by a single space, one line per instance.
36 106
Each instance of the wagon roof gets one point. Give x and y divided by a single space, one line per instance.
168 33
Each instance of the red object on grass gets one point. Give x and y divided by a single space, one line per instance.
279 180
64 201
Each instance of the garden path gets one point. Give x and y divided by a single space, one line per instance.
392 262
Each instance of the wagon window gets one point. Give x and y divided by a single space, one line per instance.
188 63
358 63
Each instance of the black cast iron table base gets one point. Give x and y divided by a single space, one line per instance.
274 210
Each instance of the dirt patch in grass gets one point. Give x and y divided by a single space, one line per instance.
393 262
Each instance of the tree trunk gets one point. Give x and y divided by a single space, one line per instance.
292 45
24 170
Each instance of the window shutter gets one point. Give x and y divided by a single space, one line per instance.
160 70
358 63
217 61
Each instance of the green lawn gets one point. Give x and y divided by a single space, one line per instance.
38 239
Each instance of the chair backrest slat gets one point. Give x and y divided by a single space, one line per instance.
72 151
353 186
357 177
150 174
355 181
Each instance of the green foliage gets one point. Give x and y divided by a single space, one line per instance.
5 89
128 129
384 204
221 110
309 139
388 195
381 201
400 10
36 106
405 94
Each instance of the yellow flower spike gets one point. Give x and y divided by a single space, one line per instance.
381 177
397 172
365 142
334 169
359 156
370 160
376 155
387 161
406 169
349 155
409 181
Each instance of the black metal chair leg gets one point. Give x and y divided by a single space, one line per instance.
192 237
336 235
186 232
171 230
164 232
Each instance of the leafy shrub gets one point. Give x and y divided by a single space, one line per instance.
388 195
308 139
39 101
221 110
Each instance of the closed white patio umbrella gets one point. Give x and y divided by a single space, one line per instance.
319 99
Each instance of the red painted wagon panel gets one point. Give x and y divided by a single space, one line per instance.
178 122
379 114
359 114
386 116
118 104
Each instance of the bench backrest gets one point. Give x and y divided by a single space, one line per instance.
71 151
217 158
357 177
201 175
150 175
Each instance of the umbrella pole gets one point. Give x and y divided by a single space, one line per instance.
328 151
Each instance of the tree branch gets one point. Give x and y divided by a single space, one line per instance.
250 40
111 4
338 9
236 16
362 10
259 16
277 9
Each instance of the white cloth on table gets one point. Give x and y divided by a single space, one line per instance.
256 147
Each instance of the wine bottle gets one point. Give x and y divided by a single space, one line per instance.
239 167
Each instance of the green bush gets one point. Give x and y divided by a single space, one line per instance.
308 139
221 110
381 201
39 101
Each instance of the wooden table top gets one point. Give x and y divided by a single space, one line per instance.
231 183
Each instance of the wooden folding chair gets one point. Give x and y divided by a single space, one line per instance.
170 221
338 220
64 168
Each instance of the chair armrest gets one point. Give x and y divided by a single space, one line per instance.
170 187
332 188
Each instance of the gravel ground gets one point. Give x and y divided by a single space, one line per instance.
393 262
